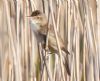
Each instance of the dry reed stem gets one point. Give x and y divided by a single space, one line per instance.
19 59
10 36
55 31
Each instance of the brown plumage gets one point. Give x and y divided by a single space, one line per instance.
40 27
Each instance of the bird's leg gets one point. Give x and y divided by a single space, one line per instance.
45 47
48 51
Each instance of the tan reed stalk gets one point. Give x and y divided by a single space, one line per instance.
20 61
55 30
18 55
84 56
10 36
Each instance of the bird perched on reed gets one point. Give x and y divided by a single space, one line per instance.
39 25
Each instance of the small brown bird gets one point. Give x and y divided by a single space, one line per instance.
39 25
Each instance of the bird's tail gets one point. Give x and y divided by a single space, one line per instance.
66 61
67 65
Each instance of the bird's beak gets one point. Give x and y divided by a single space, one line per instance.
28 16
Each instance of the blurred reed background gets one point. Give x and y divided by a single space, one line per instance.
78 22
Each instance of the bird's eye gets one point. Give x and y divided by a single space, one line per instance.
39 18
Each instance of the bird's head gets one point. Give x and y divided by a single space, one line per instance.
38 21
38 18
